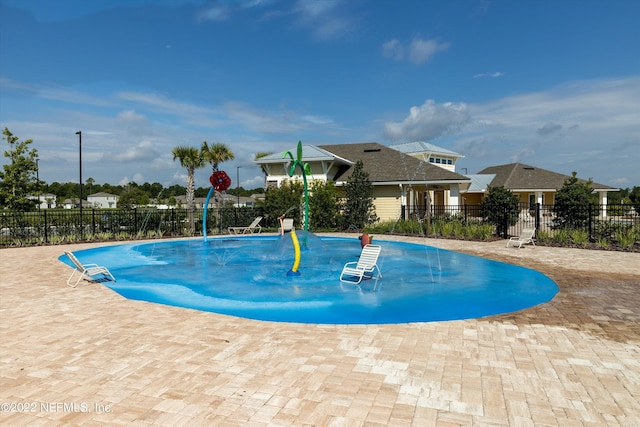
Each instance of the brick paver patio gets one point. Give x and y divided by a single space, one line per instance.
87 356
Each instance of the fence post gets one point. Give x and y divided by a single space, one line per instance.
505 222
590 221
46 231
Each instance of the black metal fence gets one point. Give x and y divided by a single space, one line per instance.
597 221
53 226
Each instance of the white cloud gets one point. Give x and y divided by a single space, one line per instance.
393 49
326 19
492 75
428 121
421 51
592 127
418 51
548 129
218 13
130 116
143 151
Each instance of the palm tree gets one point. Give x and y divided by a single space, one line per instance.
216 154
191 159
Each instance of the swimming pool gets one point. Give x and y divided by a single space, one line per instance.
247 277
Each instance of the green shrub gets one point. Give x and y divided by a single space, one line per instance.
561 236
543 236
579 237
602 242
626 238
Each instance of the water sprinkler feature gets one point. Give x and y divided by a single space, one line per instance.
305 169
220 181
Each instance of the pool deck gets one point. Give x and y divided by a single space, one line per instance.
87 356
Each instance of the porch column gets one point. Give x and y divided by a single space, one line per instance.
603 203
454 198
539 197
403 202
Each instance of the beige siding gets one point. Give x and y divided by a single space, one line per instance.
387 201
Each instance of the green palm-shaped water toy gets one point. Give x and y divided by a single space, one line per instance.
305 169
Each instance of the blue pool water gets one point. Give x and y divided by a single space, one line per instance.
247 277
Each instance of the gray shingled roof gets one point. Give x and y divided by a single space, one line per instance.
388 165
518 176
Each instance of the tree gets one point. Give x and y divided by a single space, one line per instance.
323 205
18 178
358 209
190 159
216 154
571 205
500 207
284 200
90 182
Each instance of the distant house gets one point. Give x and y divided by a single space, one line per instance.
44 201
400 181
224 200
103 200
531 184
198 202
74 203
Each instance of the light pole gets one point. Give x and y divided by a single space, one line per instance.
38 180
79 133
238 183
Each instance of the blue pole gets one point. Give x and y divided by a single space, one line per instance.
204 216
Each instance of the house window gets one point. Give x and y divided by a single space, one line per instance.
432 160
438 161
449 161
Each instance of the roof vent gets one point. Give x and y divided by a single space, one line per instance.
529 168
371 150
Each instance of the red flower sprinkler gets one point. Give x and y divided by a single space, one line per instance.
220 181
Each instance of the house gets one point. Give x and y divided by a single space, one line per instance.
44 201
402 183
430 153
531 184
74 203
103 200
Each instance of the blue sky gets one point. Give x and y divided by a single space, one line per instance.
554 84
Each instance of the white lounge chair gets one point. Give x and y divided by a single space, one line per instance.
89 270
526 236
254 227
287 225
355 271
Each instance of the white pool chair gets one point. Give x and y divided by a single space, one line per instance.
254 227
88 270
287 225
526 236
355 271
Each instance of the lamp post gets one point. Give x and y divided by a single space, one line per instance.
38 180
238 183
79 133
